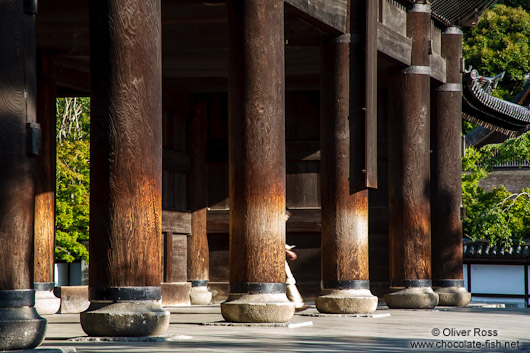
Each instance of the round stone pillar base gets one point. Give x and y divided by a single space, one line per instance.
46 303
200 295
267 308
411 298
346 301
453 296
125 319
21 328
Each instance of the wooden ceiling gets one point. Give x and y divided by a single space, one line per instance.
194 42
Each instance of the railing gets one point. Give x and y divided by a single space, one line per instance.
512 163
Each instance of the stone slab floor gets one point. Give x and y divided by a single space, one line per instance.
473 329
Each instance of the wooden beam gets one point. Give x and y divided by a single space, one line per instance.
329 15
175 160
393 44
438 68
301 221
68 72
178 222
303 151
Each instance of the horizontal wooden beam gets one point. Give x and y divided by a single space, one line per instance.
178 222
303 151
69 75
175 160
393 44
301 221
438 70
329 15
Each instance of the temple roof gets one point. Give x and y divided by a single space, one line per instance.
480 107
461 13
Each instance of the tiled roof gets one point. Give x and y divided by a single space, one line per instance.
461 13
482 250
480 107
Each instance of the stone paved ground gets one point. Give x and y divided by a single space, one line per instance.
497 330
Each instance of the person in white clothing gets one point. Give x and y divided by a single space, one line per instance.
292 292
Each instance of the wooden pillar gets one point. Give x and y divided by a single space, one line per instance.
409 174
126 170
46 302
345 282
198 255
446 184
257 163
20 325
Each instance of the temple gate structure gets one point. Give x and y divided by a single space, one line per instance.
209 119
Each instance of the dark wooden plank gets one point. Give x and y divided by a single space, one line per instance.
301 221
371 94
393 44
177 222
303 184
179 259
198 264
330 15
303 151
71 73
175 160
167 256
438 68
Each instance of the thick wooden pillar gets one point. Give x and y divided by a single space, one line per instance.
446 185
20 325
46 302
198 255
126 170
409 174
345 283
257 163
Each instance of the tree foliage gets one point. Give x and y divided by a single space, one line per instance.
524 4
497 215
501 43
73 178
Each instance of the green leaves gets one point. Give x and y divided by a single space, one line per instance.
497 215
73 179
501 42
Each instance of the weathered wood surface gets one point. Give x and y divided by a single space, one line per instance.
257 142
72 73
45 178
16 167
393 44
198 259
409 163
370 93
438 68
126 148
331 15
174 257
167 256
175 159
446 168
301 221
344 211
178 222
